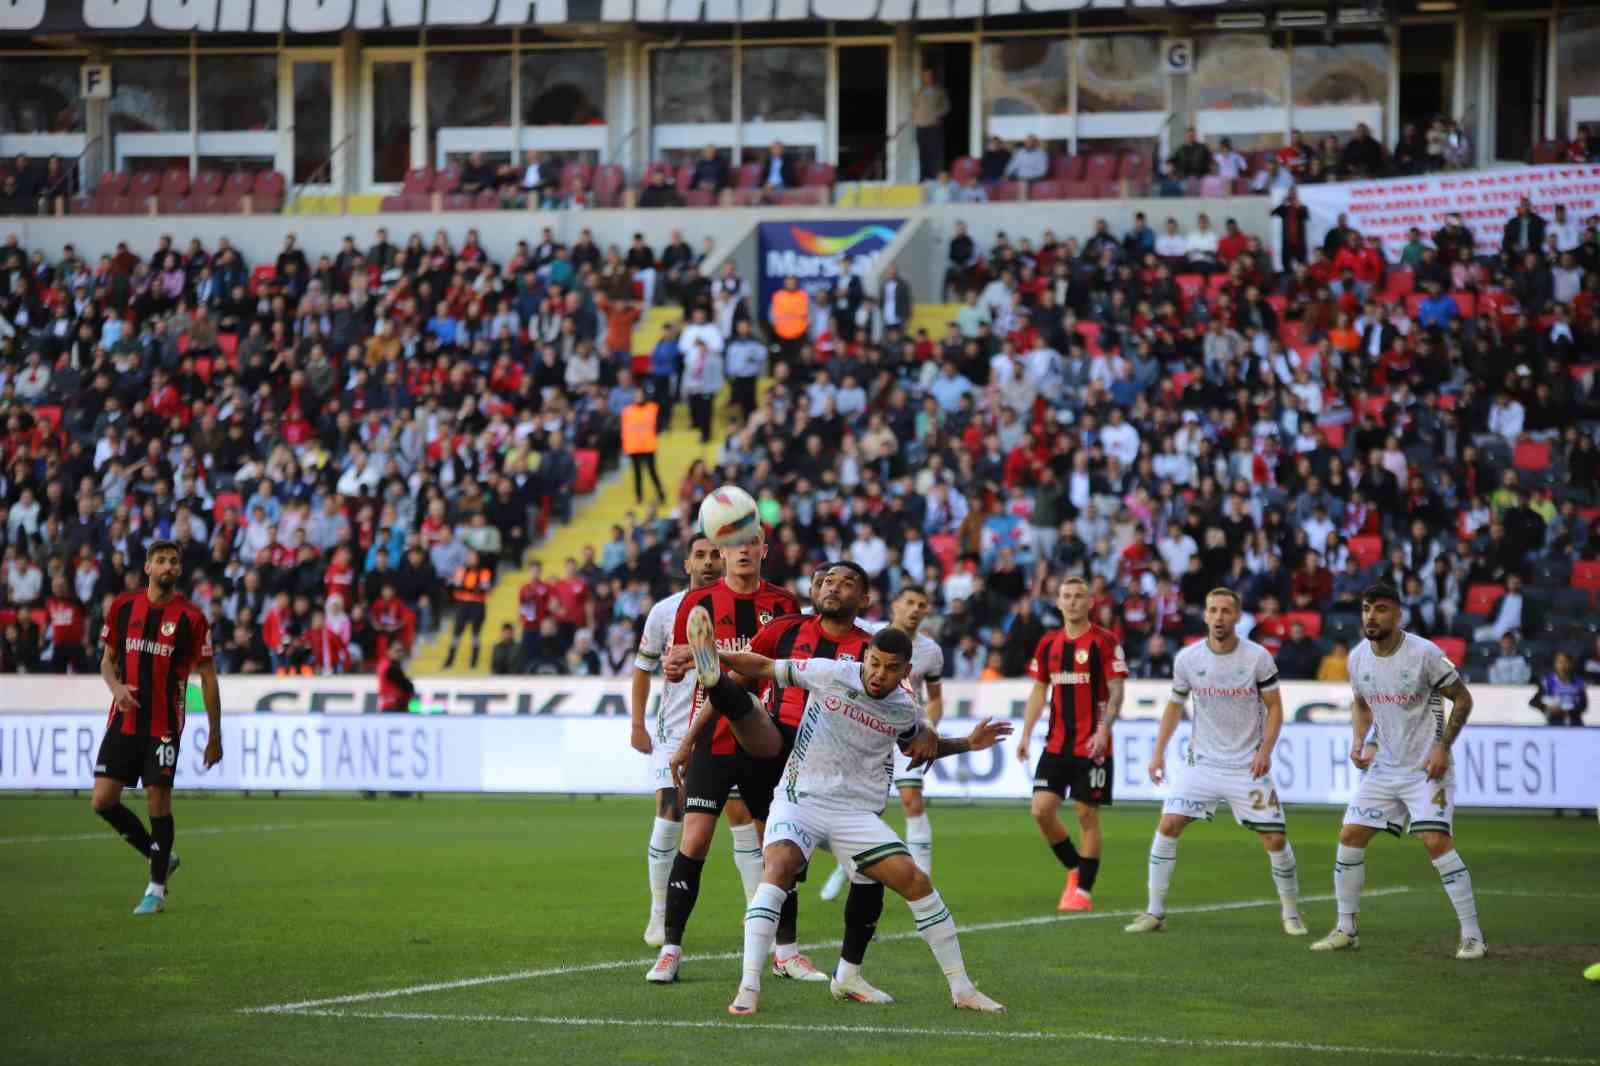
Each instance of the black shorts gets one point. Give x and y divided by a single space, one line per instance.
1088 780
711 778
131 758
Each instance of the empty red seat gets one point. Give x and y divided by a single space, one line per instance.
207 181
263 272
1311 620
1399 283
1481 598
224 501
1048 190
1101 167
699 198
1466 303
1454 648
588 462
1531 455
458 201
575 172
818 174
418 180
145 183
1005 191
683 178
749 176
113 183
1068 167
964 168
1586 574
1333 433
609 182
1367 549
944 547
1190 286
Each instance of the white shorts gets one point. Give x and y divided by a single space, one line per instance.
1396 800
854 837
904 775
661 752
1197 789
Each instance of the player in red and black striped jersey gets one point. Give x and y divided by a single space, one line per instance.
739 605
154 638
1080 671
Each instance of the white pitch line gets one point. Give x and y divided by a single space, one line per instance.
1031 1035
1537 895
623 964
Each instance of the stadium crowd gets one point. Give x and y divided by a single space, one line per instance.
344 442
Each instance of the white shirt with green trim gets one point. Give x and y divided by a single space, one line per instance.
843 755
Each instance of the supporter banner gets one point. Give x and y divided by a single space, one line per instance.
328 16
1496 766
1485 200
583 697
816 252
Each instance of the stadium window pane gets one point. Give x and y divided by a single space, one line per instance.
691 85
1344 74
563 88
1120 73
391 120
150 94
238 94
1578 73
1238 71
785 83
467 90
40 96
1026 76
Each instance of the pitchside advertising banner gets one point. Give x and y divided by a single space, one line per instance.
573 738
1485 200
816 253
327 16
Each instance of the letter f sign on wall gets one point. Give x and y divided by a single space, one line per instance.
95 80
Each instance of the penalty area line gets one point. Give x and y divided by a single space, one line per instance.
623 964
1022 1035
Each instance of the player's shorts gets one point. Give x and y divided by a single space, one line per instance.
1088 781
712 779
1198 788
904 775
857 838
1390 799
661 753
759 779
132 759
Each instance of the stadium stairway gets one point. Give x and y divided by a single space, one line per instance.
591 523
934 318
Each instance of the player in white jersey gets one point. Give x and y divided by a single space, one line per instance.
661 737
832 795
1400 682
906 612
1238 713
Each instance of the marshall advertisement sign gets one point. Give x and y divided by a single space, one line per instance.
331 16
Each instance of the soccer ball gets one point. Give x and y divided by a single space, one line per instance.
729 517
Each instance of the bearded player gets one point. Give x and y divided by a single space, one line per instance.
906 613
1400 683
1081 671
1238 714
661 738
154 638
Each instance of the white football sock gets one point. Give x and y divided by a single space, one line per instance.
1287 878
846 970
747 857
938 929
919 835
1163 860
1349 874
664 837
153 889
760 926
1458 886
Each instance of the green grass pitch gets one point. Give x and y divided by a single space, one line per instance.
331 900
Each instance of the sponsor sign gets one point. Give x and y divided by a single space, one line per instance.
1485 200
817 252
1177 54
1496 766
585 697
329 16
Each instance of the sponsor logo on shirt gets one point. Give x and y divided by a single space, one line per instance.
1070 677
150 647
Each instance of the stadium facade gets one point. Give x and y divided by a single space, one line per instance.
345 96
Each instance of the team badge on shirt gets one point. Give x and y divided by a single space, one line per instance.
168 628
765 616
1082 656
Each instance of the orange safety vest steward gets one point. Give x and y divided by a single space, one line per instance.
639 428
472 585
790 310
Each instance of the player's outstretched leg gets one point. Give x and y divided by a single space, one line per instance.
1458 886
862 909
1280 853
936 926
1349 875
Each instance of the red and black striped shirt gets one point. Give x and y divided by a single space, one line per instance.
801 636
156 645
736 618
1079 672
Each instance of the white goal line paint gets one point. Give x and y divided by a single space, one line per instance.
623 964
1023 1035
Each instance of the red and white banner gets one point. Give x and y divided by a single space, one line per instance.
1485 200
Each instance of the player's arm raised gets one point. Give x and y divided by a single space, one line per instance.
986 734
1360 725
1170 717
1030 717
112 673
1460 697
1261 765
211 693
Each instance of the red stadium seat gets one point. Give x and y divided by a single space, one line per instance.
818 174
1466 303
964 168
1311 620
1455 648
1048 190
1006 191
1586 574
1480 599
1414 303
229 345
1190 286
446 179
609 181
1279 303
113 183
175 183
1292 333
1399 283
208 181
202 367
225 500
1531 455
945 548
1333 432
1366 548
588 461
1068 167
263 272
418 180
